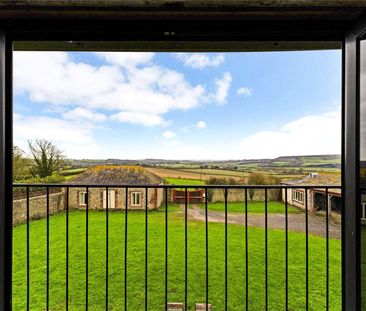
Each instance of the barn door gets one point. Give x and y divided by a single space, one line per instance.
111 199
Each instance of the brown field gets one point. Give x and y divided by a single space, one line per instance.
165 172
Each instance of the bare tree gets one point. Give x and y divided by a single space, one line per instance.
47 157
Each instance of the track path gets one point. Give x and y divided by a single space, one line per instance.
296 221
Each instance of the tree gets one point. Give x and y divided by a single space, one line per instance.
219 181
260 179
255 179
47 158
21 164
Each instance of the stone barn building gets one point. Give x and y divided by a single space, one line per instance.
316 197
113 177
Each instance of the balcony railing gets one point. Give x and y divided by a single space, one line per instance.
232 248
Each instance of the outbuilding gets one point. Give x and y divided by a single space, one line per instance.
117 180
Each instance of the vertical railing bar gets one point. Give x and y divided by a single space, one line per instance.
146 245
327 248
87 249
246 252
166 248
48 247
67 248
28 248
206 237
306 250
186 251
226 266
106 248
266 243
286 230
125 262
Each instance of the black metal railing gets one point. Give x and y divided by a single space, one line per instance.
162 194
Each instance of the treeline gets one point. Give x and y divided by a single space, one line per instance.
41 163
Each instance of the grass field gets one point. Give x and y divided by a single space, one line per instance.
156 264
184 181
253 207
228 173
70 173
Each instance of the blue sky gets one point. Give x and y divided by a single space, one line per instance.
179 105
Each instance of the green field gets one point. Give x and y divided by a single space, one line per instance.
184 181
156 263
70 173
253 207
216 172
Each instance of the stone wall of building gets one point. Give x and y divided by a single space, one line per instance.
97 198
293 202
37 207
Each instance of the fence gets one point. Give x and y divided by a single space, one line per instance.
127 238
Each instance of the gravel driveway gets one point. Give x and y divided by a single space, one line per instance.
296 221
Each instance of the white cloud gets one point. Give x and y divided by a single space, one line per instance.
223 86
199 60
314 134
126 59
52 77
244 91
201 124
82 113
121 86
141 118
75 139
169 134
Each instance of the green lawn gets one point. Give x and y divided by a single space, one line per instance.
253 207
184 181
156 243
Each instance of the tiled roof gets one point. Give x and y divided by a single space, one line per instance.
117 175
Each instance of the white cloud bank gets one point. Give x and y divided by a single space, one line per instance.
75 139
130 87
314 134
199 60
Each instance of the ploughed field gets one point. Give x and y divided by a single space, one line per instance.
176 264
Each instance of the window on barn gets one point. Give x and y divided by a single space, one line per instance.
298 196
135 198
82 198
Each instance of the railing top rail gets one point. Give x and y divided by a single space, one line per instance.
65 185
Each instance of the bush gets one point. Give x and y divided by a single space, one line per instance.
260 179
53 179
218 181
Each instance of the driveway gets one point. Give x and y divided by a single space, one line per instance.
296 221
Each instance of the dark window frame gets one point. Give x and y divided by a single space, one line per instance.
175 35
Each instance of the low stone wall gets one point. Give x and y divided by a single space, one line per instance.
37 207
238 195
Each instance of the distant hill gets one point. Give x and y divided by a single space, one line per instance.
313 161
316 161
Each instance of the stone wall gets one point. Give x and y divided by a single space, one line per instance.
238 195
37 207
97 199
